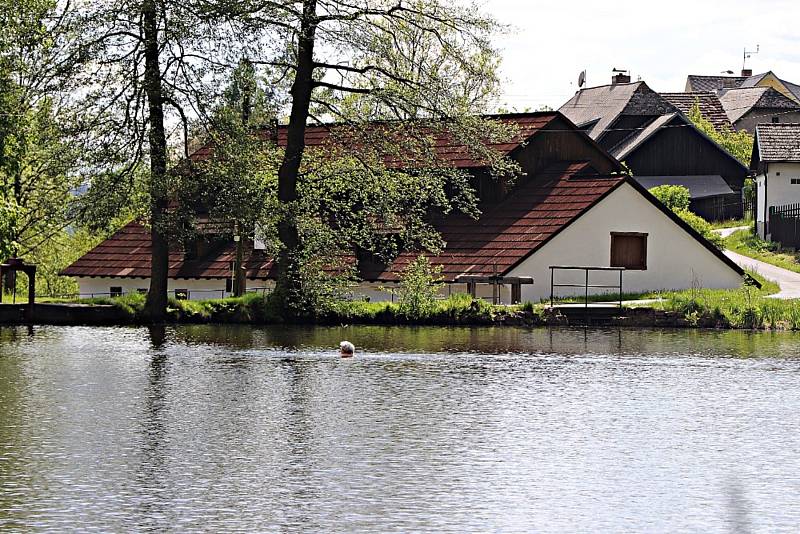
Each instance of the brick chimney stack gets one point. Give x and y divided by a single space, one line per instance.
746 73
620 78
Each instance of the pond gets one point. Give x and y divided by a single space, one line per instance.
203 428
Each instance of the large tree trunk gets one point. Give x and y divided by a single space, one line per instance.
289 285
156 307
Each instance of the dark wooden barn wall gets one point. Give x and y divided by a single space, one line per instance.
683 151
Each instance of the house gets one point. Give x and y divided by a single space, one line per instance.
571 206
747 107
720 84
776 160
657 141
752 99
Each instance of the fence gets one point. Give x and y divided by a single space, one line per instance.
723 208
784 225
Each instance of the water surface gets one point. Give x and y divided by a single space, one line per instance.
202 428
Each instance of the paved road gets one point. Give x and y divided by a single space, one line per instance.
725 232
788 281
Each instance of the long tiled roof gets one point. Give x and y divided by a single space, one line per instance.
710 106
778 142
739 102
503 235
513 229
126 254
446 148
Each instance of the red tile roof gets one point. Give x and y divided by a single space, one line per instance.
512 230
505 234
126 254
447 149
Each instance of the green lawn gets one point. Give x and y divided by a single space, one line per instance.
747 244
733 223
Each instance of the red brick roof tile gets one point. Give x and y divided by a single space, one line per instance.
447 149
504 235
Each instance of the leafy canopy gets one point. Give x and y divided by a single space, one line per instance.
738 143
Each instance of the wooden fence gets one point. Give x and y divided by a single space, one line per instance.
723 208
784 225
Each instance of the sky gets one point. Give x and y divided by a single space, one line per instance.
549 43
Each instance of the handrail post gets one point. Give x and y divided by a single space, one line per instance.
620 289
552 274
586 296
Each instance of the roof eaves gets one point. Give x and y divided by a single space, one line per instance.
691 231
563 227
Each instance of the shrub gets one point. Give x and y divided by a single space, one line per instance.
702 227
675 197
419 286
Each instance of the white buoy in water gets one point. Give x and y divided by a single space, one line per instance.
347 349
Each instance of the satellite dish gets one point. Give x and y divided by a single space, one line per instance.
582 79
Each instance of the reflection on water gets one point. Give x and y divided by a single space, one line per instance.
239 428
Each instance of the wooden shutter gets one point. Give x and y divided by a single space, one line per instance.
629 250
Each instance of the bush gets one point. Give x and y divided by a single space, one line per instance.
675 197
419 287
702 227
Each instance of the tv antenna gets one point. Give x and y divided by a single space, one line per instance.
747 55
582 79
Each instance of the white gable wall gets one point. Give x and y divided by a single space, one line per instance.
675 260
201 289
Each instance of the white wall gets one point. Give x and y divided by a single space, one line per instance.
377 292
675 260
198 289
780 190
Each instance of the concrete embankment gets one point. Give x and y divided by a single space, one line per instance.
64 314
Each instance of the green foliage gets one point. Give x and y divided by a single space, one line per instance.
738 143
419 287
675 197
702 227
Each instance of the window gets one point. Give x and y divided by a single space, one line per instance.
142 291
181 294
776 120
228 285
795 181
115 291
629 250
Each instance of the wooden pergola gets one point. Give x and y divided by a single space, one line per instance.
15 265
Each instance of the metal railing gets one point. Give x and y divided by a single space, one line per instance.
586 285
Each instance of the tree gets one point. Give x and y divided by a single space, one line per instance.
415 60
40 151
738 143
147 67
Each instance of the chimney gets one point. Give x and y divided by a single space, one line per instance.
746 73
620 78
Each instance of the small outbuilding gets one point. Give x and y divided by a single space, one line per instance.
776 161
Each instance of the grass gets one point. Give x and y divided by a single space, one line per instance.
748 244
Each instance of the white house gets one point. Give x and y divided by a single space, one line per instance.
776 159
573 207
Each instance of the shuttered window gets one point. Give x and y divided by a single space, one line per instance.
629 250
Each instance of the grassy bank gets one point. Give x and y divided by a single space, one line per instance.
253 308
747 244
